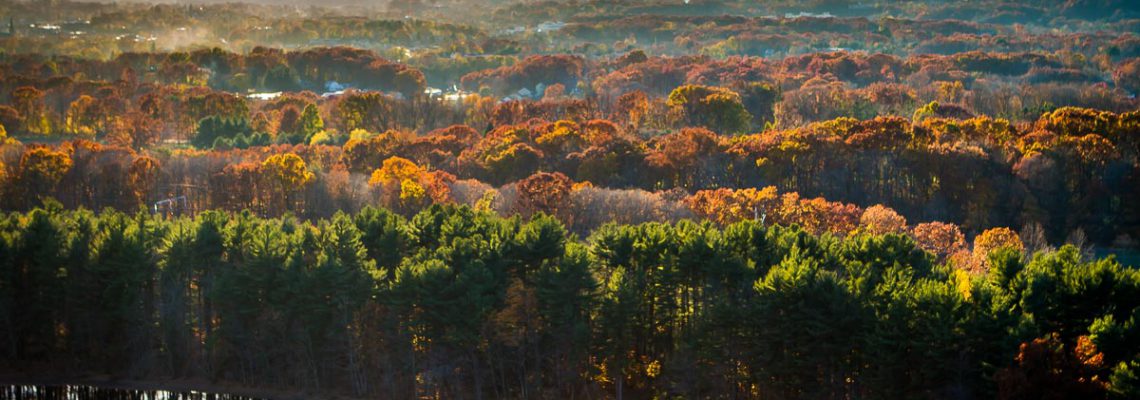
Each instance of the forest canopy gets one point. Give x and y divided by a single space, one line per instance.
454 301
573 199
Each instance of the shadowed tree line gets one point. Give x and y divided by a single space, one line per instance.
458 303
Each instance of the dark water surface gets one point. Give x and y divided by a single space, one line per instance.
80 392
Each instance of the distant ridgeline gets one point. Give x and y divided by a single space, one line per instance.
454 303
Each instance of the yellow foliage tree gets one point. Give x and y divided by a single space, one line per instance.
42 165
411 191
288 173
564 136
83 117
4 139
396 169
993 239
405 180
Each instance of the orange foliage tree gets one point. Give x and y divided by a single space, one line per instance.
544 192
143 173
879 220
819 215
938 238
725 206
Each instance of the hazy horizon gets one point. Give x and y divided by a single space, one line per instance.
273 2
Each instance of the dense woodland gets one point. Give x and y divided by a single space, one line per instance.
138 139
588 199
458 303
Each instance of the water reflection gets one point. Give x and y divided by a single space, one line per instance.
79 392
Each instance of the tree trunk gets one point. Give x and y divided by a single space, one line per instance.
619 383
